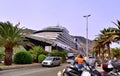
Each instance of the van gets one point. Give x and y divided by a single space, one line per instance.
51 61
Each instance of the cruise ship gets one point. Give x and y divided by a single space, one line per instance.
55 37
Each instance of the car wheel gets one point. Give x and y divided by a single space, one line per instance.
52 65
43 66
59 64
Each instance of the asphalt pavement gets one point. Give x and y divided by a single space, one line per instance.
15 66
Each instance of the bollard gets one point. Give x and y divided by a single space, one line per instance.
59 73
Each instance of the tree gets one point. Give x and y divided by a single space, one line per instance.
102 42
10 36
116 33
100 48
116 52
107 36
96 48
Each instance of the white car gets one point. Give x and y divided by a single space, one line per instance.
51 61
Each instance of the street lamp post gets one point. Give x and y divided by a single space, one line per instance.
86 16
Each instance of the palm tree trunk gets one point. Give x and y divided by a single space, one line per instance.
109 54
99 52
103 52
8 56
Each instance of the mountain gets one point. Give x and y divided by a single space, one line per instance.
26 30
82 41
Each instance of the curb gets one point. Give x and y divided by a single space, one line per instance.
16 66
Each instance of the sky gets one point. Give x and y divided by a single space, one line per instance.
39 14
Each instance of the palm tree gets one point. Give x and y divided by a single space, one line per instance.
96 48
99 47
102 41
10 36
107 35
116 34
116 52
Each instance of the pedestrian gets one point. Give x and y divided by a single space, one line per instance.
75 61
115 59
80 61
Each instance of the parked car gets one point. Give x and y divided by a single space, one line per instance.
70 58
91 61
51 61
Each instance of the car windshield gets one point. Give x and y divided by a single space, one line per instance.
49 58
71 57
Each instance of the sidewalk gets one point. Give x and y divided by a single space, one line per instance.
15 66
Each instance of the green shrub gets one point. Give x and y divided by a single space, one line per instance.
36 51
2 55
33 56
62 54
55 53
23 57
41 57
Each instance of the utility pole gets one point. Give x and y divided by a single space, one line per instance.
86 16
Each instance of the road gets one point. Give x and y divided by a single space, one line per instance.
33 71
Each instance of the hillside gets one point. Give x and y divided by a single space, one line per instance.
26 30
83 42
